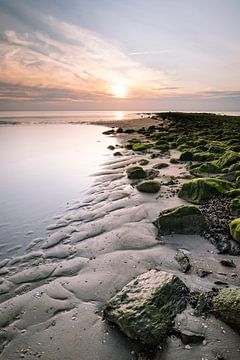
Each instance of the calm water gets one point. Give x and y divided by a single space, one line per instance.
43 168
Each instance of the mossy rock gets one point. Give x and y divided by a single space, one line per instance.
143 162
227 159
237 184
161 147
199 190
216 149
111 147
234 193
149 186
140 147
146 307
234 167
205 169
186 156
234 206
203 156
231 176
109 132
234 227
136 172
174 161
160 166
186 219
227 305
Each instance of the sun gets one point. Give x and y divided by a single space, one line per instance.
119 90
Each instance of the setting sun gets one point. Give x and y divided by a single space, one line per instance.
119 91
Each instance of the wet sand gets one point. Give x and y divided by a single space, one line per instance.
52 296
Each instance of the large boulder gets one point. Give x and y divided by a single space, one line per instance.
234 227
136 172
186 219
227 305
202 189
227 159
149 186
146 307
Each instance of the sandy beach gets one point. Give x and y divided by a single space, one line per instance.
52 297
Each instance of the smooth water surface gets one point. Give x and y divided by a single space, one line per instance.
43 169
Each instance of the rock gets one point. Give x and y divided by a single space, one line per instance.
203 156
143 162
190 337
160 166
111 147
227 305
183 261
227 159
119 130
117 153
167 180
234 227
201 305
109 132
203 273
146 307
234 206
202 189
174 161
149 186
234 167
140 147
231 176
186 219
228 263
205 169
186 156
136 172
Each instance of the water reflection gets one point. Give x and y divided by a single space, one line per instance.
42 168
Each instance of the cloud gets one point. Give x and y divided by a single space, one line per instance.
82 63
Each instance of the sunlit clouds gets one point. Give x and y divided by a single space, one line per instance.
119 55
83 63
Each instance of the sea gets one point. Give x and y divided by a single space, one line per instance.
47 159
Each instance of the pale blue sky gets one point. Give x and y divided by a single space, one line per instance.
79 53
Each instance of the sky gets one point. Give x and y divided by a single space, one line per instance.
120 55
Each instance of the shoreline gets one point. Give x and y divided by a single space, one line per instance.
53 295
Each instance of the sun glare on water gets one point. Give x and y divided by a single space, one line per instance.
119 91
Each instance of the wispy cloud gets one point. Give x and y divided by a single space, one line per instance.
82 63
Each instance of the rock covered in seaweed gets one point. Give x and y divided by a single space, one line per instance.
146 307
234 206
227 305
199 190
136 172
149 186
234 227
186 219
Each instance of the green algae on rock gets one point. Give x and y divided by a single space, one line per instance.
234 206
146 307
149 186
234 227
143 162
227 159
186 219
160 166
199 190
205 169
136 172
140 147
227 305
